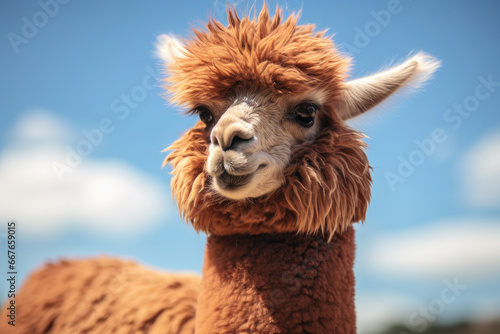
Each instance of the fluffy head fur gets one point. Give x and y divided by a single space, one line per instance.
259 52
326 184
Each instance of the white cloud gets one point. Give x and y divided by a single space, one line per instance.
101 196
480 173
465 248
40 126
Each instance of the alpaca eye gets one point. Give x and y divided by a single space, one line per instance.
304 114
205 114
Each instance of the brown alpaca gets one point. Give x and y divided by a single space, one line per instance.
271 173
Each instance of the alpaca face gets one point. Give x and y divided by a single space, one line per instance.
272 152
258 88
251 139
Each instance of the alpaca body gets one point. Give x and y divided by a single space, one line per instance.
104 295
270 283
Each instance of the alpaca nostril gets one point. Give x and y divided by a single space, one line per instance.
236 140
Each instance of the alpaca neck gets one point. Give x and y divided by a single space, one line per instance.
277 283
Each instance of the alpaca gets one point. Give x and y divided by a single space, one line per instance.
271 172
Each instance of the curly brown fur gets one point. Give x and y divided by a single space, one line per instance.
277 283
104 296
264 51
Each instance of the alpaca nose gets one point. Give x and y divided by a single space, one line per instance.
230 136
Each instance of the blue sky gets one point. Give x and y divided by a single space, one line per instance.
90 64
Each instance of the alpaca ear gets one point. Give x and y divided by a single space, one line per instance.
168 48
363 94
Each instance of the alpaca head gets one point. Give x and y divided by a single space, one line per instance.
272 152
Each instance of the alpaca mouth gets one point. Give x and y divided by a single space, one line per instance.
230 182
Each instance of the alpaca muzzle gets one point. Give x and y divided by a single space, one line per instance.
231 169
